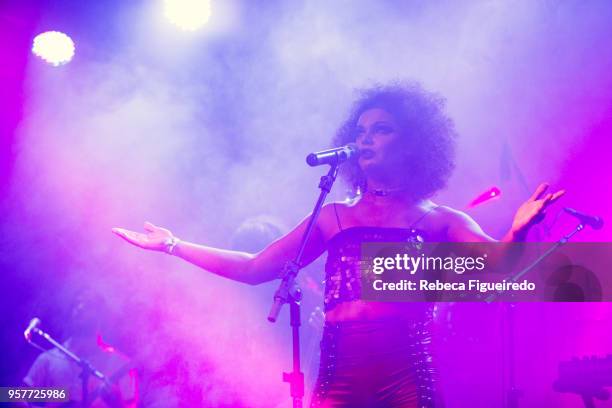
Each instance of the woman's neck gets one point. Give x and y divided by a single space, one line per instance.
391 190
385 199
384 178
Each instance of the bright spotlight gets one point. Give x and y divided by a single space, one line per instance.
54 47
187 14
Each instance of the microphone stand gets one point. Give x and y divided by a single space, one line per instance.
513 393
289 292
86 368
535 263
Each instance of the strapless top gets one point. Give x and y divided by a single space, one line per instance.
342 269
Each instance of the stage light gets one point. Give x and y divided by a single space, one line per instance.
484 197
187 14
54 47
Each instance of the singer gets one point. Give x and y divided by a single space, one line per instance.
372 354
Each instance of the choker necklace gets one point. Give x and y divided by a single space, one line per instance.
382 193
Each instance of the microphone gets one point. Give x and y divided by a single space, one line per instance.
34 323
335 156
592 221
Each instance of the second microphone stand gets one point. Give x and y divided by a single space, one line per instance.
513 393
289 292
87 369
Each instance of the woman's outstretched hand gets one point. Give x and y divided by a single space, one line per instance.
155 238
533 210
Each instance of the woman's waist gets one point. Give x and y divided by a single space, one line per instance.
360 311
383 330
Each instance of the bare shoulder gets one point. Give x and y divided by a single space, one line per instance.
330 214
339 206
451 215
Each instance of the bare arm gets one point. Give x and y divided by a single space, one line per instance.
462 228
244 267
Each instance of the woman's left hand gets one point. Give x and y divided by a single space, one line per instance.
533 210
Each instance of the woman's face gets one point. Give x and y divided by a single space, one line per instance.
377 137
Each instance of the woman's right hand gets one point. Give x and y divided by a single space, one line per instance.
155 238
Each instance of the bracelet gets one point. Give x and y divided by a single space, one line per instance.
170 244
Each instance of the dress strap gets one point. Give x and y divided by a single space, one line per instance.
422 217
337 217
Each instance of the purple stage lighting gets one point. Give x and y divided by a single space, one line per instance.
54 47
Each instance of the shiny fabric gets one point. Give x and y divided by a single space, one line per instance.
381 363
343 266
375 364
